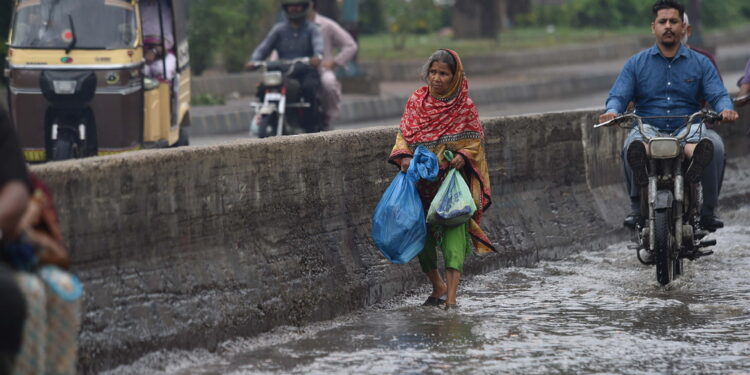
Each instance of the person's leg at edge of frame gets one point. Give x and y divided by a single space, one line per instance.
428 262
633 188
711 182
330 97
455 246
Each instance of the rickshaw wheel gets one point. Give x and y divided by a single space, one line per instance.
65 147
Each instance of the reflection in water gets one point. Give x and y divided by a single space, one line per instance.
594 312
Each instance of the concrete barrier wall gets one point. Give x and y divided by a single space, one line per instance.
188 247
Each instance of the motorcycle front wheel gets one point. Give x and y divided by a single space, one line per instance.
267 125
65 146
665 247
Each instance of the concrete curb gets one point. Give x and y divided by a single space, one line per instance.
492 63
227 120
188 247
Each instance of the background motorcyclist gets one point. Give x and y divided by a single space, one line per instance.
293 38
668 79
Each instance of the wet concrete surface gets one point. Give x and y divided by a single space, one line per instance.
592 312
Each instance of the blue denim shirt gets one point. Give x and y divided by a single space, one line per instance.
290 42
663 88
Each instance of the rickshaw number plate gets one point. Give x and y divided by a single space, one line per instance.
64 87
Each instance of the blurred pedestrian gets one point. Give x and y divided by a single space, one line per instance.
744 81
441 116
14 198
335 38
33 251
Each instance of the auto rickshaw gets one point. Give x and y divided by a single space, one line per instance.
81 82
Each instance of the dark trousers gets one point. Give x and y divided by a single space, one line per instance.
713 176
309 80
12 316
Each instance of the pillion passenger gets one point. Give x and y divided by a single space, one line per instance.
669 79
335 38
296 37
33 253
713 176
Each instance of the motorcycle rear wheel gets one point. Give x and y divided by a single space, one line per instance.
664 242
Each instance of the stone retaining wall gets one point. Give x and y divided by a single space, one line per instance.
188 247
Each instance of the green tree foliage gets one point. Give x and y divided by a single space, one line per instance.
406 17
623 13
229 29
371 19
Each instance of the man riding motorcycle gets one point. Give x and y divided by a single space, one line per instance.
293 38
668 79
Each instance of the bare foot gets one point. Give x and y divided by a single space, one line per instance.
440 291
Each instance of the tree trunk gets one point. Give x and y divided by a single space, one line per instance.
490 21
505 23
476 18
328 8
696 20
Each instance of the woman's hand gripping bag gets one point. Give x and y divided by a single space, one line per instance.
398 224
453 204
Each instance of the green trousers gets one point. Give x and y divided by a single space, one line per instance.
455 245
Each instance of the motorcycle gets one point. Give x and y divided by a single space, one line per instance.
278 93
672 230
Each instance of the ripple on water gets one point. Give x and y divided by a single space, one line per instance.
593 312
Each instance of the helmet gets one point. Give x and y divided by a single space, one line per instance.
294 16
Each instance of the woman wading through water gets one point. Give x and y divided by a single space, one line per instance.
441 116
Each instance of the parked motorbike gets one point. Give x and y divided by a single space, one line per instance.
281 107
672 230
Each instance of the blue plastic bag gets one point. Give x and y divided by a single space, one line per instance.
399 228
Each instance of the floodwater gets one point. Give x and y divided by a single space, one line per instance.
596 312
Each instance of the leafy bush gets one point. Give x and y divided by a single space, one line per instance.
405 17
371 19
206 99
227 28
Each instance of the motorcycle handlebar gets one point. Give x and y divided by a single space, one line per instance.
264 64
703 115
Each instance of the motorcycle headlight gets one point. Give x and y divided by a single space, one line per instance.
664 148
64 87
272 78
